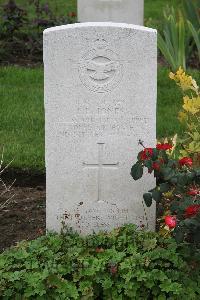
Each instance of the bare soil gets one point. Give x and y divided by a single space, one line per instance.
24 217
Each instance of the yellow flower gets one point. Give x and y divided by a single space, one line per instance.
191 105
183 80
168 195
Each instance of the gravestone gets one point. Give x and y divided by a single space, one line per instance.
100 100
120 11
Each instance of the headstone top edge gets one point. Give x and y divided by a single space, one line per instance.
99 24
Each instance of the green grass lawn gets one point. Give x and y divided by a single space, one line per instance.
22 113
22 116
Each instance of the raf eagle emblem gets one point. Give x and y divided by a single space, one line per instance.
101 71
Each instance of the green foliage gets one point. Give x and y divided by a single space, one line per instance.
137 171
180 33
196 36
174 43
123 264
21 33
191 12
189 116
177 190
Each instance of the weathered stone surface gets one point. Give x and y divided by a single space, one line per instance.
100 99
125 11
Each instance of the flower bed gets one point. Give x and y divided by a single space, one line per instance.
124 264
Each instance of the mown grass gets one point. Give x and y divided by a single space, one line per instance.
22 116
22 113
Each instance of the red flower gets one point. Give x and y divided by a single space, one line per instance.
156 166
192 210
193 192
72 14
185 161
113 269
165 146
170 221
161 160
146 153
99 250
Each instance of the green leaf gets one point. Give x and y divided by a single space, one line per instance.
179 234
174 180
148 164
137 171
164 187
156 195
162 297
155 154
196 36
164 156
147 199
193 222
182 179
168 173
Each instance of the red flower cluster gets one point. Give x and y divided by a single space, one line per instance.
192 210
185 161
193 192
147 153
165 146
171 221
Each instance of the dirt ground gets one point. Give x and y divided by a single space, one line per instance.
24 217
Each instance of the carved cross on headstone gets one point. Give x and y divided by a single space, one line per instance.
100 166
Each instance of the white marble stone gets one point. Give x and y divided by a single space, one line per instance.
123 11
100 99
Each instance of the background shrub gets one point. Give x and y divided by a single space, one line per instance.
21 30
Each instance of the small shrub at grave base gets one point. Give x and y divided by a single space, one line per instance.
123 264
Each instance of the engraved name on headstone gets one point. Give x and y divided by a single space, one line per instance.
100 100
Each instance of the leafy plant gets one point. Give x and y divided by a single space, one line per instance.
13 17
196 36
180 34
177 192
21 31
174 43
189 115
122 264
191 13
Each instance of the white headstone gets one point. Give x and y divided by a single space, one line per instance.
100 99
124 11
